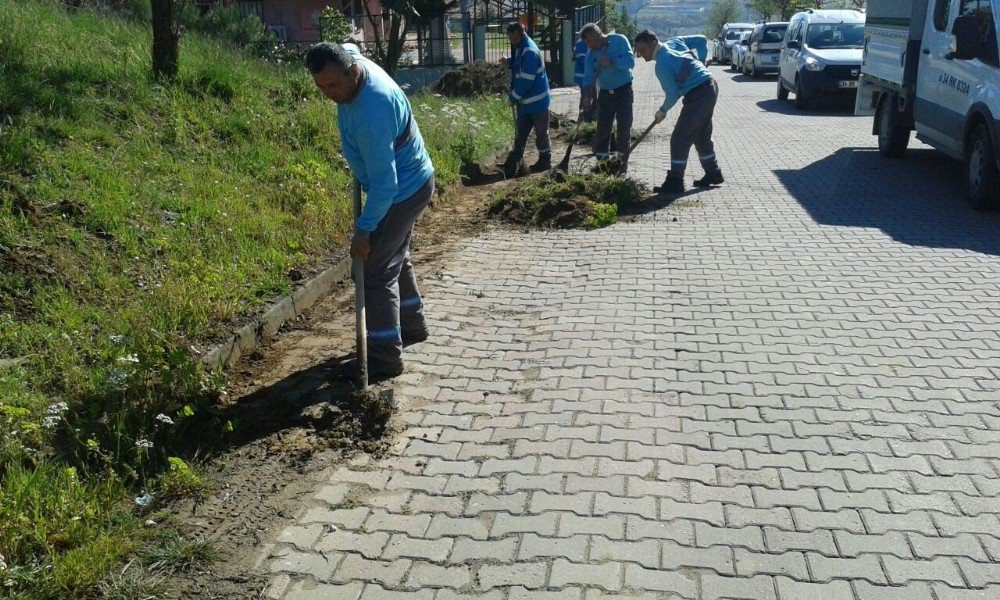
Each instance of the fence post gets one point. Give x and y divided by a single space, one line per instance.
479 43
568 56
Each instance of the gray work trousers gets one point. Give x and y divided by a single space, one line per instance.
392 301
525 123
694 127
613 105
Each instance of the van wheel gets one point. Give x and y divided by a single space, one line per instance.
892 139
801 101
980 163
782 90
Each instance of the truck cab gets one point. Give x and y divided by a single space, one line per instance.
932 66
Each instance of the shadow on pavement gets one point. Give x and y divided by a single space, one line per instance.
827 107
918 200
655 202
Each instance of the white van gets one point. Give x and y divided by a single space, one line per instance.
932 66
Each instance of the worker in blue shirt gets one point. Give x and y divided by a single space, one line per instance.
609 63
386 153
682 76
529 92
579 69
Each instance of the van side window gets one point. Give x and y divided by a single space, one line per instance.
942 8
971 7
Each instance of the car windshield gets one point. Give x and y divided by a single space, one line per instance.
734 34
836 35
774 35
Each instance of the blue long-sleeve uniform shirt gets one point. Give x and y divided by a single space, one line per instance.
618 73
382 143
579 60
529 88
697 43
678 73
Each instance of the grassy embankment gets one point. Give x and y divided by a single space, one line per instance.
140 221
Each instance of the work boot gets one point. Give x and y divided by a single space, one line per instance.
544 163
415 335
673 184
511 166
710 179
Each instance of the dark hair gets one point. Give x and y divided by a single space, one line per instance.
327 53
590 29
515 26
646 37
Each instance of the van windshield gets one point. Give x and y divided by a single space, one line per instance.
836 35
774 35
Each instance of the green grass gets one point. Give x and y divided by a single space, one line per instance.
139 223
587 201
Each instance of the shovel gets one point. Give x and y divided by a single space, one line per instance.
564 163
638 141
360 327
373 407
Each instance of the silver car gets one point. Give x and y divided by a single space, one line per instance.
764 52
739 51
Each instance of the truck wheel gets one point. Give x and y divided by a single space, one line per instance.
782 90
980 163
801 101
892 139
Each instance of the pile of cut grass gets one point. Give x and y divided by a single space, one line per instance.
567 201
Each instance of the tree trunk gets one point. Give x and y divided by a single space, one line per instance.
165 39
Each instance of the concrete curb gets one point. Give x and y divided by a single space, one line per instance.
251 335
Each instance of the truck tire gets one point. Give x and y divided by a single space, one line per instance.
801 100
782 90
981 170
892 139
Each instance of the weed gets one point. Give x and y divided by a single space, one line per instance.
604 215
174 553
588 201
181 480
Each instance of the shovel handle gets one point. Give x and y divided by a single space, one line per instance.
360 327
639 139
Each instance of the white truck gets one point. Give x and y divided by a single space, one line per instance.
932 66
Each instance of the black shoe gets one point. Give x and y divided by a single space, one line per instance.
544 163
415 336
511 167
710 179
378 370
673 184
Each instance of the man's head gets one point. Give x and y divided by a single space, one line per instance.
592 35
646 45
515 33
336 73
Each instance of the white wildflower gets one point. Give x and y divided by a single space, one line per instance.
143 443
162 418
3 563
121 340
131 358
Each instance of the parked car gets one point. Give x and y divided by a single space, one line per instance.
765 49
821 55
739 51
727 37
934 67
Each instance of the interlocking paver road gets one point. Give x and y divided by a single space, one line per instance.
784 388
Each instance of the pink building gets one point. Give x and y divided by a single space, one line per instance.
298 20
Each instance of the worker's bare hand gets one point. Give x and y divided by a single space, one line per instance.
660 115
361 247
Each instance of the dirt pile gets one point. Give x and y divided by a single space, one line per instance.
476 79
567 201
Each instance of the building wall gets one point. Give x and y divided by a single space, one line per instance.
300 17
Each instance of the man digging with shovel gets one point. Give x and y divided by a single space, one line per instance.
383 146
530 94
681 75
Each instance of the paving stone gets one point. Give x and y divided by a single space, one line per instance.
355 567
306 563
717 587
789 589
939 569
645 552
402 546
913 591
639 578
607 576
310 590
825 568
717 558
524 574
893 542
425 574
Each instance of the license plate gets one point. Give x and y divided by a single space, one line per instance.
847 84
774 60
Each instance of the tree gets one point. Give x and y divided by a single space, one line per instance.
766 9
166 39
722 12
402 16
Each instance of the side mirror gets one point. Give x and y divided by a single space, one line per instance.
793 45
965 37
